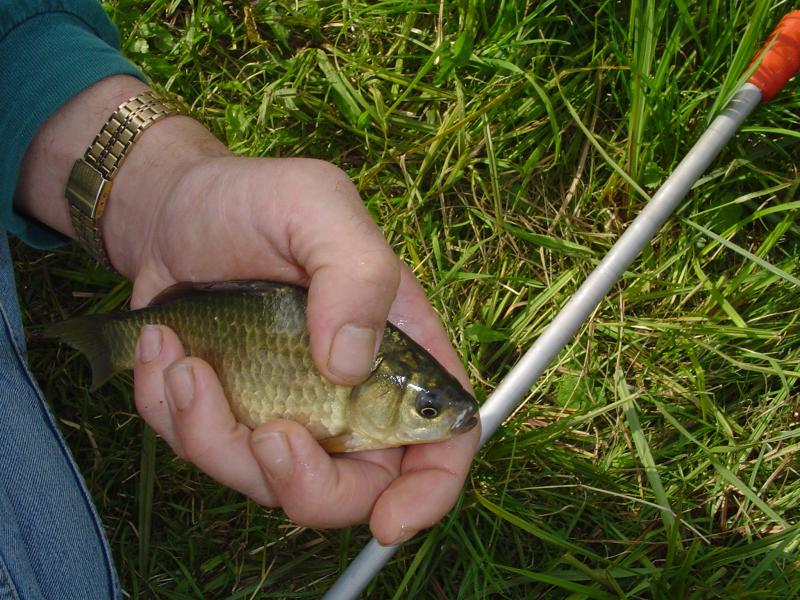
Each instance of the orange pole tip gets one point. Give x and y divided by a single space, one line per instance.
780 57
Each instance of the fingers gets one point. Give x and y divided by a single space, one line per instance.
432 474
431 480
313 229
278 464
354 274
347 316
315 489
317 230
182 400
153 354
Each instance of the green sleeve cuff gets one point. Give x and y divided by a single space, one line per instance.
48 57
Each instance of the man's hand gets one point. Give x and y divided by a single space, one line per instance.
294 220
300 221
182 208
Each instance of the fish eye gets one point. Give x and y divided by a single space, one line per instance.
429 404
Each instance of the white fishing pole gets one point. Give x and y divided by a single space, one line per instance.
779 62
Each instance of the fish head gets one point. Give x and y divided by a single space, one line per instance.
409 398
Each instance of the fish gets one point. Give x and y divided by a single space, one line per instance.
254 335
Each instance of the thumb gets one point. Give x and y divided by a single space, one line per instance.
354 275
347 309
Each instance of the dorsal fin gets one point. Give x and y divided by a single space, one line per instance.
241 286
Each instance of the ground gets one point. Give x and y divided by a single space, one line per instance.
502 148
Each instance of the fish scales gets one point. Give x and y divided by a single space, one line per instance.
257 344
253 333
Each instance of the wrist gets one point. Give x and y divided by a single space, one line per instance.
152 167
61 140
145 184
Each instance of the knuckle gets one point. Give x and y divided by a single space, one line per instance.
262 497
270 502
324 177
179 452
194 448
379 269
309 509
153 410
306 513
330 173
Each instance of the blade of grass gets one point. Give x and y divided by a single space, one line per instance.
643 450
727 475
748 255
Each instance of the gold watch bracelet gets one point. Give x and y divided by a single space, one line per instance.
90 181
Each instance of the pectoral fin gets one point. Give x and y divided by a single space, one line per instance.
352 442
339 443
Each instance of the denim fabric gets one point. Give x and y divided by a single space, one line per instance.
52 544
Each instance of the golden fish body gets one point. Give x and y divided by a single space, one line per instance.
254 336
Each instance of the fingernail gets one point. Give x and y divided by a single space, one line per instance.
275 454
406 533
180 386
352 352
149 346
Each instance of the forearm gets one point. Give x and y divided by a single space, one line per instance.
152 167
59 142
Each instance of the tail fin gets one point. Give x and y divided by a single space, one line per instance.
85 334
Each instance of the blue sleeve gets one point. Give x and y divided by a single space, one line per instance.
49 52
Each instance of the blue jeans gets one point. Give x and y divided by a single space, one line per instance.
52 543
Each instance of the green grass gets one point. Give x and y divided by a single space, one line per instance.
658 456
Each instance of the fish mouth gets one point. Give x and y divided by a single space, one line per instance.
466 421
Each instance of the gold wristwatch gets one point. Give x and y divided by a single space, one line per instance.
89 183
